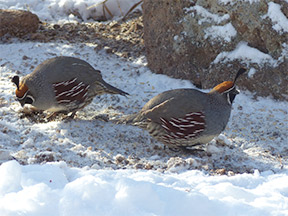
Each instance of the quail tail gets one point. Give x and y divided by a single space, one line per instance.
105 88
128 119
134 119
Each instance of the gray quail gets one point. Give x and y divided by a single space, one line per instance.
62 84
184 118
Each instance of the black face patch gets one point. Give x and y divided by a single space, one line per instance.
26 99
29 100
232 94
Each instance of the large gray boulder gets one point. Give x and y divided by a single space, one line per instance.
206 41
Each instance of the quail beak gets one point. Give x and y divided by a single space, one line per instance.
237 91
22 102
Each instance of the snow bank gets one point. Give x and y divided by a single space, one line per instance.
55 189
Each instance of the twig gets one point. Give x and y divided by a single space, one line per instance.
132 8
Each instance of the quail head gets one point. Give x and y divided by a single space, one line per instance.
184 118
62 84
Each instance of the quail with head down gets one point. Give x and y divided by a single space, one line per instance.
185 118
62 84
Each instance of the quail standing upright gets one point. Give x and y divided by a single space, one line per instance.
184 118
62 84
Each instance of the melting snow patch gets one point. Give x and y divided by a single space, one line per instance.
225 32
232 2
279 20
246 54
206 15
251 72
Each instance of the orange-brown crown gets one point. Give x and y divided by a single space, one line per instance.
222 87
21 91
225 86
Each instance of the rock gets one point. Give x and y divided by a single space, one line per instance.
17 22
207 41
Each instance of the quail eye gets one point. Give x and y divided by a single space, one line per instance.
29 99
231 95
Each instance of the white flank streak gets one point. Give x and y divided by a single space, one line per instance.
64 82
164 126
183 120
191 135
62 93
168 136
175 120
75 88
197 123
64 101
173 135
198 131
69 82
180 134
187 126
84 96
70 93
57 84
172 123
192 118
193 113
78 92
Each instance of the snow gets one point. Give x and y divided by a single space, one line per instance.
206 15
251 72
68 10
232 2
225 32
56 189
279 20
101 168
246 54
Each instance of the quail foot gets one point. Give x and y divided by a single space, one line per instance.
184 118
62 85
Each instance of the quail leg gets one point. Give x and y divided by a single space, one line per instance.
185 149
31 113
63 115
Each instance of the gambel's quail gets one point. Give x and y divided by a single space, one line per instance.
184 118
62 84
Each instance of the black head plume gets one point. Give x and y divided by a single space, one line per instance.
15 80
240 71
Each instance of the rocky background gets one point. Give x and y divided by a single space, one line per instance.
184 39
